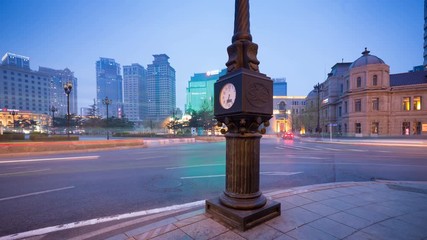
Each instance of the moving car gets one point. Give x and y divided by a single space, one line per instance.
288 135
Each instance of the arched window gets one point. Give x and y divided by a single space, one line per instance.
359 82
282 106
375 80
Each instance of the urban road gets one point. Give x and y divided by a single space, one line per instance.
50 190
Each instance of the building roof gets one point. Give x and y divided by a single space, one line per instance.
366 59
408 78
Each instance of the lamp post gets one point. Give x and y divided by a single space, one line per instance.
318 87
244 103
67 89
53 109
107 102
13 113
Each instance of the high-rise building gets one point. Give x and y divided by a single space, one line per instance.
109 84
280 87
21 88
14 60
161 93
58 98
134 92
200 90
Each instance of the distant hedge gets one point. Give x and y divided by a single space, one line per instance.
41 137
8 136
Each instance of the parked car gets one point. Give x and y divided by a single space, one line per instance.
288 135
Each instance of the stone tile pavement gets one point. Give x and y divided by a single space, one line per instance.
353 210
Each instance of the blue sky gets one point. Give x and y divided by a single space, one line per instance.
298 39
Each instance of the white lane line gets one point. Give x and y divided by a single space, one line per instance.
207 176
195 166
279 173
49 159
36 193
23 172
357 150
94 221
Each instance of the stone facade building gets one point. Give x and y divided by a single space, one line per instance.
364 99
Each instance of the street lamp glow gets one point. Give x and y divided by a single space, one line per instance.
68 86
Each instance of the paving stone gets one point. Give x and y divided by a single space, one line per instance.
320 208
285 205
354 200
408 230
308 233
292 218
350 220
417 219
316 196
337 204
173 235
333 228
392 212
149 227
204 229
379 231
260 232
229 235
367 214
190 220
284 237
156 232
296 200
360 236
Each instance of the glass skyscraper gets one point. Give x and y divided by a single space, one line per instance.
161 88
134 92
280 87
109 84
200 90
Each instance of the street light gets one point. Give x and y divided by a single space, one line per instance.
107 102
318 89
13 113
53 109
67 89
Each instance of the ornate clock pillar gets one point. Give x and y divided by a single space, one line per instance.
244 103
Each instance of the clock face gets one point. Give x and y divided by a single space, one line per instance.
227 96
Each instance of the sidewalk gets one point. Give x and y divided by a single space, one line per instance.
421 142
351 210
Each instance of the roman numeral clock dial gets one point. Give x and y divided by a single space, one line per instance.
227 96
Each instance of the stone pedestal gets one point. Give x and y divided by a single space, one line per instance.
242 205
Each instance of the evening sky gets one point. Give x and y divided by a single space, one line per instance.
298 39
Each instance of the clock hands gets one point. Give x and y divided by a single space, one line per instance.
229 99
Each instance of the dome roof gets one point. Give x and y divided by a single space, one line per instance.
366 59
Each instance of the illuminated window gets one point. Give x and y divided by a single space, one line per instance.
359 82
375 80
417 103
358 127
376 104
375 127
406 103
358 105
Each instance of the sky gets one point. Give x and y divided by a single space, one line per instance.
298 39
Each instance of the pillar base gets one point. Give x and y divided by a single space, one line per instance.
242 219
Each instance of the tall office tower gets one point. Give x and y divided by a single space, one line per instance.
58 98
280 87
200 90
109 84
161 91
425 34
134 92
21 88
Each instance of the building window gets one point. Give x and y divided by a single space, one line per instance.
339 111
406 126
376 104
358 127
358 105
406 103
348 85
341 88
417 103
359 82
375 80
375 127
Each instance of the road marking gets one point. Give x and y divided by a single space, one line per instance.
195 166
36 193
357 150
207 176
17 173
50 159
94 221
280 173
